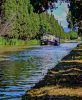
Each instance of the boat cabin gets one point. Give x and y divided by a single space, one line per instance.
50 40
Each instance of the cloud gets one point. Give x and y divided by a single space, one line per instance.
62 20
61 13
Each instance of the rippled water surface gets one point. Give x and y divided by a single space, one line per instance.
19 71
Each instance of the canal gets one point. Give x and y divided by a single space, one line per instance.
19 71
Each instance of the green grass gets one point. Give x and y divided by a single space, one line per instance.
6 41
62 40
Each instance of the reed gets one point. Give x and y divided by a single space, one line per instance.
6 41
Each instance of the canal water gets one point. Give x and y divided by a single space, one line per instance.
19 71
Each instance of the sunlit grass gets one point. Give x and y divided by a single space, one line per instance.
55 91
6 41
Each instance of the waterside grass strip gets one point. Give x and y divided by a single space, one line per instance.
18 42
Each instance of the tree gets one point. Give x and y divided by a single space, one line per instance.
75 10
26 24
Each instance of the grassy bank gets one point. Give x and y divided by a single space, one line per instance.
64 82
8 46
17 42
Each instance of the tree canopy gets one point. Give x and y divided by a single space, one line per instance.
75 10
24 23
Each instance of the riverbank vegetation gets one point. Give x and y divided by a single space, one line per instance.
18 42
19 23
74 17
73 35
14 41
63 81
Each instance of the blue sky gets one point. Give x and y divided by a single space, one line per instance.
60 13
66 29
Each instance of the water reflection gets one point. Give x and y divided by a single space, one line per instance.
19 71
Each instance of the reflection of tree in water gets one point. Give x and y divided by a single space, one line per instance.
15 68
11 71
15 74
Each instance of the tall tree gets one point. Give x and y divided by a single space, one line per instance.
24 23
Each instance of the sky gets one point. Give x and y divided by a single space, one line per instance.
60 14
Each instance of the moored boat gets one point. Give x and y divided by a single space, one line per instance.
49 40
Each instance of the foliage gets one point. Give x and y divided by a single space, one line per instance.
73 35
6 41
75 15
75 10
42 5
24 24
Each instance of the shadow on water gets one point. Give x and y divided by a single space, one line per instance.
19 71
65 74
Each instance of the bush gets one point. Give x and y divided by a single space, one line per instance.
73 35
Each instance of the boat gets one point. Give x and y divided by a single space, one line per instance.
48 39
